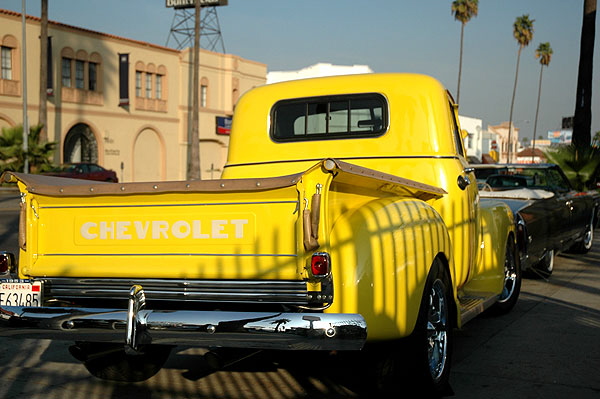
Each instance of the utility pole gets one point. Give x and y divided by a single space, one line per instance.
24 72
183 34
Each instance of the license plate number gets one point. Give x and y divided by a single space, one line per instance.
23 293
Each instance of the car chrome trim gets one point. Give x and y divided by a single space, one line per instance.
170 205
343 158
138 326
232 291
172 254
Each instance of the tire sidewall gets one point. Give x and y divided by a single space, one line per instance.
505 305
421 373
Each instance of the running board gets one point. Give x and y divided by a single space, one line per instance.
471 305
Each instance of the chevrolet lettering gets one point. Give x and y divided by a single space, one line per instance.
162 229
347 219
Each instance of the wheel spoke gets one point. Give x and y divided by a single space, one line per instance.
437 327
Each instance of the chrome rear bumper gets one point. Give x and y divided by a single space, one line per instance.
138 326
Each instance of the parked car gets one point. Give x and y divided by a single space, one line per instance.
551 217
84 170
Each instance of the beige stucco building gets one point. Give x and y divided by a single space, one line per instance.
502 132
143 136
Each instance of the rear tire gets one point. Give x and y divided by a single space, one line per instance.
112 362
584 246
423 360
546 265
512 280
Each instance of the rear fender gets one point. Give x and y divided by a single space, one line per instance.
381 255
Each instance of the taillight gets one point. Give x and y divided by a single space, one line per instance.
7 261
320 264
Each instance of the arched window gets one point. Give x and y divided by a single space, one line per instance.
9 66
94 72
161 84
81 70
204 92
80 145
139 72
8 55
67 56
150 87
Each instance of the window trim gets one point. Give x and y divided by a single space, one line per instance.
329 99
66 62
80 74
158 86
92 76
9 61
148 81
203 95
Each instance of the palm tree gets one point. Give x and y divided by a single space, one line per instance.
581 166
596 139
582 119
523 32
544 53
193 163
12 156
463 11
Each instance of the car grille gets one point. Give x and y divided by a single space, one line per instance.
228 291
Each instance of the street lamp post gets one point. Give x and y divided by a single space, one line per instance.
24 73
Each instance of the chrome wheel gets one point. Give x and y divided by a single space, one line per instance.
422 360
588 238
437 330
510 276
512 281
548 262
584 245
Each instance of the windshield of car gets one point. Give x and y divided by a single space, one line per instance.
533 178
70 168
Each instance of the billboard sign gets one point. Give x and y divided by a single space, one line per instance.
192 3
560 136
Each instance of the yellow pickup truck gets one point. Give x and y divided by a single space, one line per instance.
347 218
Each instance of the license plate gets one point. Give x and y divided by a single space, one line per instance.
21 293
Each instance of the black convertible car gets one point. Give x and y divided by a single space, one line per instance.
551 217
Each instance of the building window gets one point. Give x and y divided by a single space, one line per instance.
79 78
151 87
203 93
148 85
138 84
93 76
158 87
66 72
6 63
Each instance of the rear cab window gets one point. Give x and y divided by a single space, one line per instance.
329 117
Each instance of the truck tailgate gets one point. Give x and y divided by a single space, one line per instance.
241 234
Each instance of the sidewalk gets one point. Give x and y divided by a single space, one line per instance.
547 347
9 198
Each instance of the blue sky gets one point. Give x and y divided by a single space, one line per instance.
389 36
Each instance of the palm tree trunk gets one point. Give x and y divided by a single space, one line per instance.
582 119
193 169
43 116
537 110
512 104
462 31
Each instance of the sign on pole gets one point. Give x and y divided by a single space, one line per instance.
192 3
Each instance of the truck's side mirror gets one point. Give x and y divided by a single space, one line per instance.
463 133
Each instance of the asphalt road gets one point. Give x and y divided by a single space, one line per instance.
547 347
